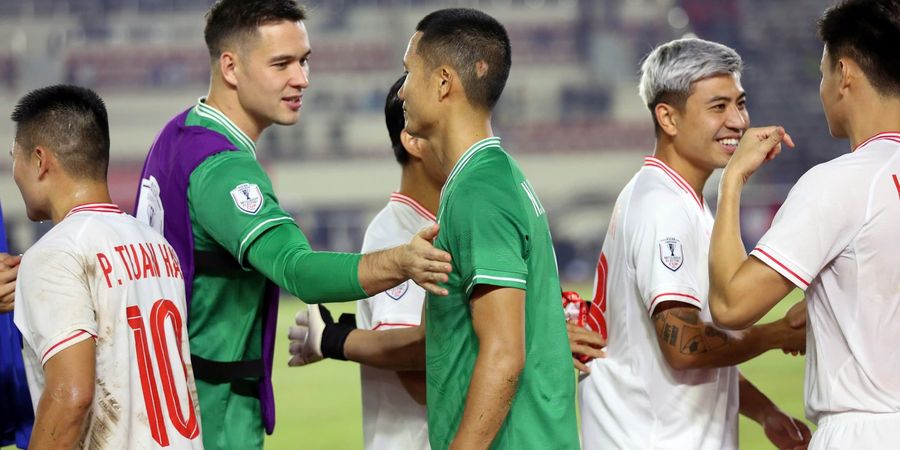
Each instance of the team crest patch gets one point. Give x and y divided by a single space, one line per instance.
247 197
670 253
398 291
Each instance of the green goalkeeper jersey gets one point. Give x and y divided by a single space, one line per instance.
224 315
232 207
493 225
226 311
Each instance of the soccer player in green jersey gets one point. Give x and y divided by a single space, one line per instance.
203 188
498 364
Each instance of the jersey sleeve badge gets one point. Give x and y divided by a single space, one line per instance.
671 254
150 208
397 292
247 197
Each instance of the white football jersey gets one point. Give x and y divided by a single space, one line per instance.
391 418
837 237
100 274
656 250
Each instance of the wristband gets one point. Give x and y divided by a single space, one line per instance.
335 333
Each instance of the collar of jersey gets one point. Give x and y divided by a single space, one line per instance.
208 112
889 135
95 207
467 156
650 161
397 197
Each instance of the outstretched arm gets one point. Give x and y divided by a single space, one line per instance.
687 342
418 261
742 289
398 349
284 256
316 336
784 431
402 349
262 233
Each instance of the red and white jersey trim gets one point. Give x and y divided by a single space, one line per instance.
780 267
676 297
888 135
656 251
96 207
416 206
678 179
390 417
72 339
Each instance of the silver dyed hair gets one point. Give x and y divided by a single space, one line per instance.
670 69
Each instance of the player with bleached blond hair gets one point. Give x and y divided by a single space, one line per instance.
669 379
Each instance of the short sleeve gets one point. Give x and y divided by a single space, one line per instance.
814 225
232 199
364 314
489 237
666 257
54 306
398 307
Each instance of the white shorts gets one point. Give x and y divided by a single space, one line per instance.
856 431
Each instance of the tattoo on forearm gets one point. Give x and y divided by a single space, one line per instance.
713 334
670 334
690 316
682 329
692 341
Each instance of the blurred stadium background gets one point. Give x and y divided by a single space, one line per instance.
570 113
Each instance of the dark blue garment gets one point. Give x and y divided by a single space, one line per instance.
16 413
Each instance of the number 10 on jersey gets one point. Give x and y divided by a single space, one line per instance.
163 310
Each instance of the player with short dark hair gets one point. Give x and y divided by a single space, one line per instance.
393 401
234 25
393 382
386 336
835 236
390 340
204 189
498 365
100 299
487 47
82 147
